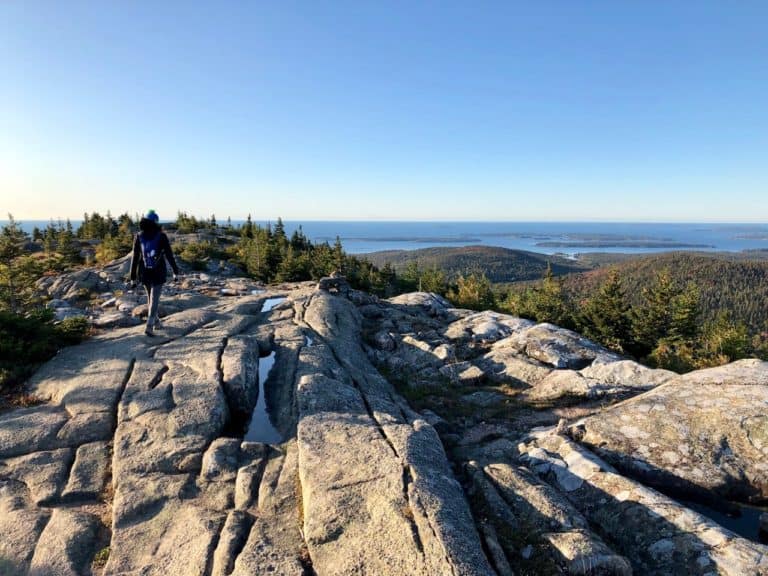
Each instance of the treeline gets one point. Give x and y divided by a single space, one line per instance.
495 263
729 283
662 324
268 254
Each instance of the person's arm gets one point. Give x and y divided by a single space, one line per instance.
169 254
135 257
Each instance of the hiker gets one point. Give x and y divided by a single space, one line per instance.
151 249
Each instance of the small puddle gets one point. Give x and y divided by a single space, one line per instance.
258 291
260 428
742 519
270 303
309 341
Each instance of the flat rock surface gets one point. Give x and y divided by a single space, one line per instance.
389 437
657 534
135 460
706 431
503 380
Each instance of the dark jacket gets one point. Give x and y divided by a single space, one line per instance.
156 275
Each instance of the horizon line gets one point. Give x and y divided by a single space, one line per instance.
415 221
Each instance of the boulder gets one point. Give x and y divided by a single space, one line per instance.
429 302
485 327
657 535
504 365
75 285
463 373
615 380
702 434
551 524
558 347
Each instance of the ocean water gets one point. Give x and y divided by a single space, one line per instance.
569 238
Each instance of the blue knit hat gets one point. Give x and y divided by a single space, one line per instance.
152 215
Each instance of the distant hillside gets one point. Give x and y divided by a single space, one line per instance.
727 282
498 264
599 259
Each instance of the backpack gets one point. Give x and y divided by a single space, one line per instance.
150 251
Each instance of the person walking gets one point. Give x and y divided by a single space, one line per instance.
151 248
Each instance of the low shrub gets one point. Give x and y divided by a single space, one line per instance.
28 340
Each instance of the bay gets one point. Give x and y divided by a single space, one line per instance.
569 238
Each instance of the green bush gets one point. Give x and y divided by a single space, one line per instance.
29 340
198 254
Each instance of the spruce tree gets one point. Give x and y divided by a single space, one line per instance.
12 240
652 318
605 317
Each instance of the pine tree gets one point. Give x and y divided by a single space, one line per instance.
410 278
12 239
605 317
473 292
434 280
684 314
247 231
723 341
68 246
652 319
338 256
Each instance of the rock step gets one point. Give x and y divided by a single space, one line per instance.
657 534
378 494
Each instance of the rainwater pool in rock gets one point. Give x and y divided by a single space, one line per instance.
740 518
260 428
270 303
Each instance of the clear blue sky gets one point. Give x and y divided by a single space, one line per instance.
537 110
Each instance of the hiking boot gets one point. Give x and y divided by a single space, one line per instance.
148 332
157 324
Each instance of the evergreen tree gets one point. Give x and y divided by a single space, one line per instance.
652 318
723 341
605 317
338 256
12 239
67 244
294 267
279 236
410 278
684 314
50 239
434 280
299 241
543 303
473 292
388 280
247 230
